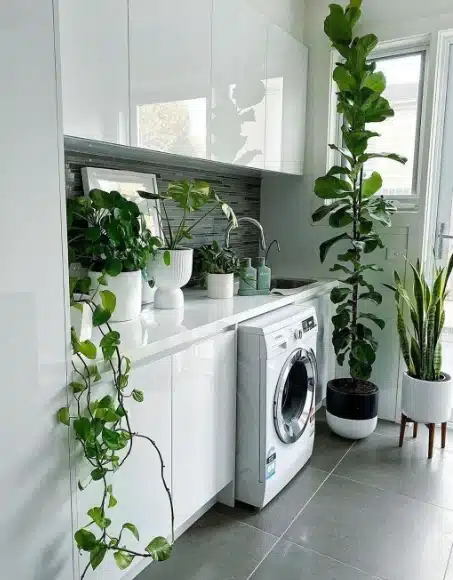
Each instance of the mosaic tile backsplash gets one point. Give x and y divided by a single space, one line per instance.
242 193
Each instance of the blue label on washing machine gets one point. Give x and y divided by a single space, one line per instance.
271 461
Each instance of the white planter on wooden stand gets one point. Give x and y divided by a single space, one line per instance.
127 288
427 401
170 279
220 286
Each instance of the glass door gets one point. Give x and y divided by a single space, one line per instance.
444 228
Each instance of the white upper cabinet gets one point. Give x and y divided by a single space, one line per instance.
286 95
204 407
170 59
238 84
95 69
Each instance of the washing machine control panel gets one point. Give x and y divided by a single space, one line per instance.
308 324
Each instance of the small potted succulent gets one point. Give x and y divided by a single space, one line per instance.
427 391
108 238
218 268
171 265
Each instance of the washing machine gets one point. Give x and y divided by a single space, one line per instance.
277 378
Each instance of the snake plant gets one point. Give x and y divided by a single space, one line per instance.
420 343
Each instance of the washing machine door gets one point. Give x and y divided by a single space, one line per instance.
294 395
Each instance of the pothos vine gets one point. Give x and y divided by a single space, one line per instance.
103 430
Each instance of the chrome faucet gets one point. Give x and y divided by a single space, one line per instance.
250 220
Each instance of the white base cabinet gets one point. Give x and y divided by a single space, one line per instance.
137 486
204 420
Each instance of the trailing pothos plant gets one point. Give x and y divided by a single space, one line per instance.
101 424
354 206
189 196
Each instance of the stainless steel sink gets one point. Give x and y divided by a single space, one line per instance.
290 283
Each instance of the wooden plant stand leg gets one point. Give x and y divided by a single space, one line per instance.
432 430
444 435
415 433
402 428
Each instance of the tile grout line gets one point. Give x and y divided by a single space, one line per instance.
448 563
299 512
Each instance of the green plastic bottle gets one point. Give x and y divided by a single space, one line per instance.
248 278
263 275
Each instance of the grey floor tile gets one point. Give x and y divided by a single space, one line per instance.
328 448
215 548
388 428
280 512
380 532
379 461
288 561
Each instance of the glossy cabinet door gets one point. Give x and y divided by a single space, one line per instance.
286 96
204 402
95 69
238 84
137 486
170 70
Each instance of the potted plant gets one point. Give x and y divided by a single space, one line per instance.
219 266
427 395
171 265
354 208
107 237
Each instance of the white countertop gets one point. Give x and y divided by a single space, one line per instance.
158 332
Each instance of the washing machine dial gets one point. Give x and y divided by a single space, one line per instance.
296 334
300 333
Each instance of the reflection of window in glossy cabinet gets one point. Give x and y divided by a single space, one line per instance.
286 94
94 69
170 70
238 83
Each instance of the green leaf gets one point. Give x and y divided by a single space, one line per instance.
325 246
375 82
138 396
363 352
113 267
63 416
77 387
123 560
330 187
367 43
112 501
82 427
97 555
111 439
339 294
373 296
93 234
341 319
344 79
339 170
337 27
392 156
108 300
359 369
373 318
88 349
167 258
98 473
325 210
371 185
159 549
85 540
132 529
340 218
100 316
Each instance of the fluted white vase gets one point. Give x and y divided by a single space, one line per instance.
170 279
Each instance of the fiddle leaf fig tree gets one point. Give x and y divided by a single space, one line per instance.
354 207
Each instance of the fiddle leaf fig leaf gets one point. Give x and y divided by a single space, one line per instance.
375 81
339 294
373 318
371 185
330 187
325 246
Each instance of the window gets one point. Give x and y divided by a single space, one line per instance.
399 134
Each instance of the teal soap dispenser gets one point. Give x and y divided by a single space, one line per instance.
263 275
247 278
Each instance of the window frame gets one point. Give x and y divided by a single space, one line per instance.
388 49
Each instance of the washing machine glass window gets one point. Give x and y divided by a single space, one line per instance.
294 395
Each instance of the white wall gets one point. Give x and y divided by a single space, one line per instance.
35 506
289 14
287 202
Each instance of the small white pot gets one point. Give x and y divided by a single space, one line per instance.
220 286
127 288
427 401
82 320
169 279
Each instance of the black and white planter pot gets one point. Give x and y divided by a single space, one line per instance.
352 407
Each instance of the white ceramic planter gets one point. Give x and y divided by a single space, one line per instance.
220 286
170 279
127 288
427 401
